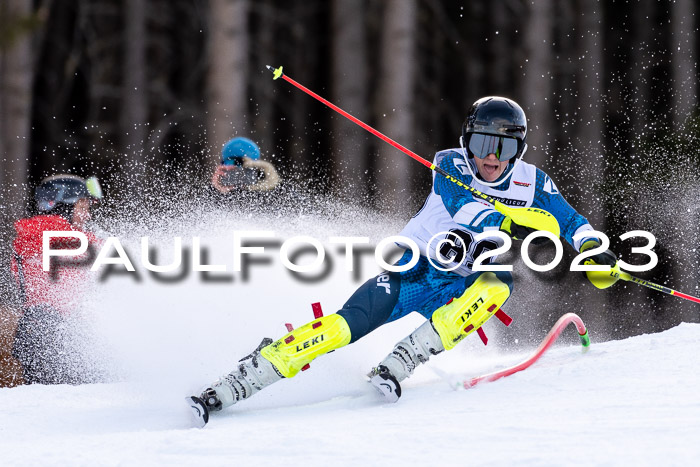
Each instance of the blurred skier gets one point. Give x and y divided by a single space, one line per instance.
455 303
63 203
242 169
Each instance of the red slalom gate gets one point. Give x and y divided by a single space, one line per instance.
544 346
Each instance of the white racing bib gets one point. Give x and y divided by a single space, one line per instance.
449 242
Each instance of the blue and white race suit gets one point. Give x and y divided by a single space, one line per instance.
452 213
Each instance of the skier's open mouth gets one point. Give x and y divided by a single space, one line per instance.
490 167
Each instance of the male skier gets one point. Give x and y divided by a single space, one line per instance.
455 302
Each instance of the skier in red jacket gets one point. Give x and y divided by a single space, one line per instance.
63 203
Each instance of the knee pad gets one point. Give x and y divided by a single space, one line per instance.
300 346
465 314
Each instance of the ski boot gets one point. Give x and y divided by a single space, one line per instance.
448 325
200 413
254 373
410 352
386 383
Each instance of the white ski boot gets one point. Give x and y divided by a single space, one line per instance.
254 373
410 352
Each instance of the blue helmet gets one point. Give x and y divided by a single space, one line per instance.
239 147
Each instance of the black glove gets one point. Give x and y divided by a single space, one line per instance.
606 258
516 231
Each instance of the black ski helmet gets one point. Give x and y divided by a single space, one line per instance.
496 116
61 192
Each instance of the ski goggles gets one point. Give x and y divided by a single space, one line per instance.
67 190
481 145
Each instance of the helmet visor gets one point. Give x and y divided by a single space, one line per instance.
481 145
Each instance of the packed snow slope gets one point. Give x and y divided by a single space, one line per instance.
627 402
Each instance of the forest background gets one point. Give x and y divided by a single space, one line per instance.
144 93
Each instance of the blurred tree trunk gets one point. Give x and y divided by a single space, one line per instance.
683 263
537 83
395 103
588 157
134 106
16 79
263 89
440 127
500 51
95 57
227 81
639 70
683 60
349 84
474 68
590 122
565 69
303 55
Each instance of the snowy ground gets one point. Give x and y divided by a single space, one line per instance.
629 402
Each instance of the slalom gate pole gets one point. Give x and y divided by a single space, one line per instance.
546 344
551 225
629 277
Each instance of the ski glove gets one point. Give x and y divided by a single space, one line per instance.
601 279
516 231
606 258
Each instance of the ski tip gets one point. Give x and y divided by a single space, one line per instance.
276 72
387 385
199 411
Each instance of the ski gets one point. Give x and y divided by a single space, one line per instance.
199 411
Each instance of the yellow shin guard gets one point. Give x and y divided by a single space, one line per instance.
299 347
465 314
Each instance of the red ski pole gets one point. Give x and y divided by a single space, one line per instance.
542 219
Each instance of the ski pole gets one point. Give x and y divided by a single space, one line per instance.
523 216
605 279
629 277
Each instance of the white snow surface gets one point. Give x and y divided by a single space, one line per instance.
630 402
